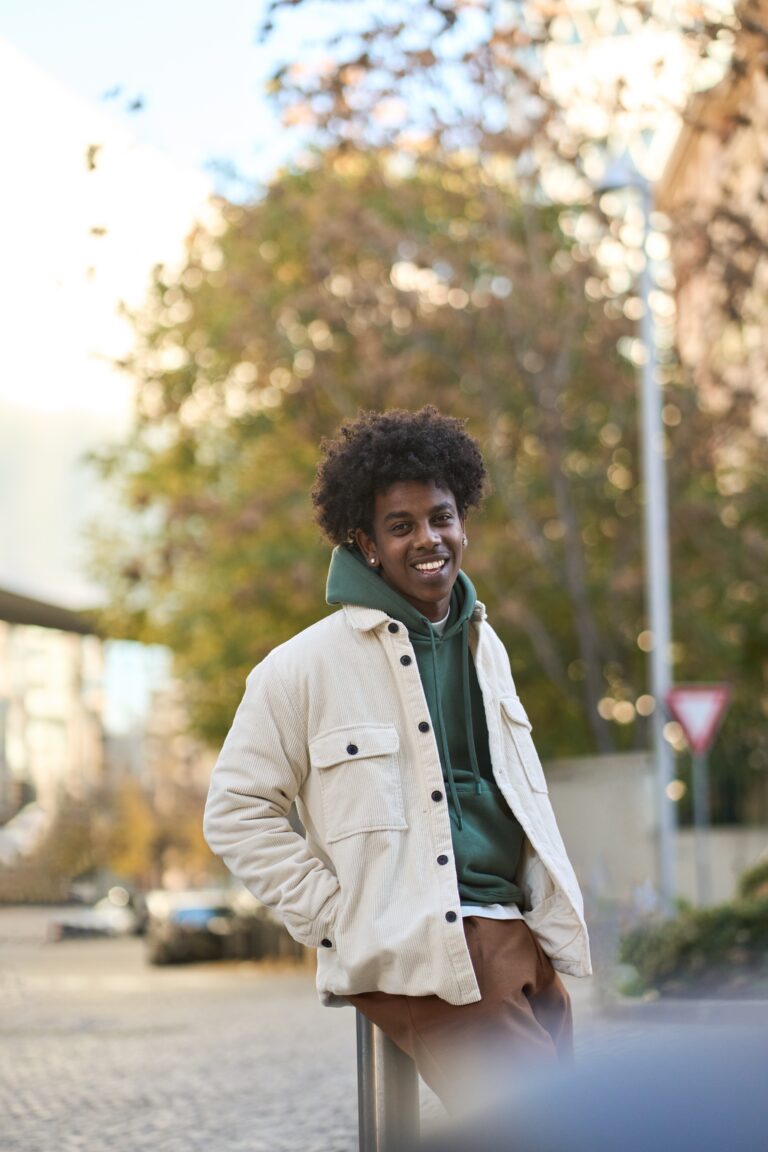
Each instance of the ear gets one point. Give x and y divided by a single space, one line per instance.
365 543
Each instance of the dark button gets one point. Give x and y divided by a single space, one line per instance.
392 626
405 660
327 944
352 749
451 917
423 726
437 795
442 859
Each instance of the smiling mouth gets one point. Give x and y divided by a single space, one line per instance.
430 566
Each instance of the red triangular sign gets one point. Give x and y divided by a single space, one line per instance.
698 708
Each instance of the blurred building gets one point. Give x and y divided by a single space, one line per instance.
607 811
714 188
79 713
51 704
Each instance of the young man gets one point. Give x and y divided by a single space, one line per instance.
432 880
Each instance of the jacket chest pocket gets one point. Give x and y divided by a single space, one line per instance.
359 773
518 726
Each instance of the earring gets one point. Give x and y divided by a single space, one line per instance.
464 541
371 559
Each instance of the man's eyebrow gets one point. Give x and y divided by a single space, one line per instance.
407 515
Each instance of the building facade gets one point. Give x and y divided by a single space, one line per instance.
80 715
51 704
715 190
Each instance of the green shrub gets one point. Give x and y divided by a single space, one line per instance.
720 951
755 881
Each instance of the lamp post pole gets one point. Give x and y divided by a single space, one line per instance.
657 573
623 174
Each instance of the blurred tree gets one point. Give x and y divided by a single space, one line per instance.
548 85
138 839
180 845
364 281
127 835
542 91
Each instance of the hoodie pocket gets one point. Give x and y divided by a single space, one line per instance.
359 772
519 727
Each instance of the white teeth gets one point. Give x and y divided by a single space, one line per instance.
432 566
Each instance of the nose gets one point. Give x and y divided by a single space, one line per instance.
426 535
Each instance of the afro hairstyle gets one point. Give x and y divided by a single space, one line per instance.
380 449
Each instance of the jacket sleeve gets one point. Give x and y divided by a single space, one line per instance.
258 773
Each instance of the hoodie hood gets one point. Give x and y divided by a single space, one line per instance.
351 581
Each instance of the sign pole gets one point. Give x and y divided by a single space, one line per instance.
699 709
701 826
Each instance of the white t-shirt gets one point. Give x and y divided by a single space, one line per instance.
492 911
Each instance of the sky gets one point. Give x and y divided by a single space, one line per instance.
71 76
195 66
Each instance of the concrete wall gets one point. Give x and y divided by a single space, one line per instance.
605 806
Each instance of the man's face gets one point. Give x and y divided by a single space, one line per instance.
417 544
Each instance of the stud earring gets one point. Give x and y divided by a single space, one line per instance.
464 541
371 559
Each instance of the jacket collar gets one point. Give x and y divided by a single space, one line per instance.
365 619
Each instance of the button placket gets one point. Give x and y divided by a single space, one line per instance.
416 704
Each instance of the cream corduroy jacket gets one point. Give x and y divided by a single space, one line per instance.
331 719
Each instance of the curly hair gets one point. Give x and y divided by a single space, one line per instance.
380 449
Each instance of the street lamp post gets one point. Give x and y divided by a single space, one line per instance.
623 174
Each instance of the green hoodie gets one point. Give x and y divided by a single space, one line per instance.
487 838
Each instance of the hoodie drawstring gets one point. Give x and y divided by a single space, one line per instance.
467 701
443 735
468 707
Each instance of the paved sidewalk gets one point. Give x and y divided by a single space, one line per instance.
99 1051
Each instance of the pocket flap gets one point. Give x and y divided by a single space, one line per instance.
513 709
344 745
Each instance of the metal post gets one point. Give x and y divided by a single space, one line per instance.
387 1092
657 576
701 826
622 173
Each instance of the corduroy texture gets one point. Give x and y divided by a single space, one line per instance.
331 719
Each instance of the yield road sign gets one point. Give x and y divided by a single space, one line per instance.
698 708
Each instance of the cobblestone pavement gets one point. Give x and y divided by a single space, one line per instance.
100 1051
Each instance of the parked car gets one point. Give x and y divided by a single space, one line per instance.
212 924
116 914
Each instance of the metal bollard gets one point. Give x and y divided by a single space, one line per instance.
387 1092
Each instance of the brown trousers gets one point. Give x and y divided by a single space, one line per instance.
522 1021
